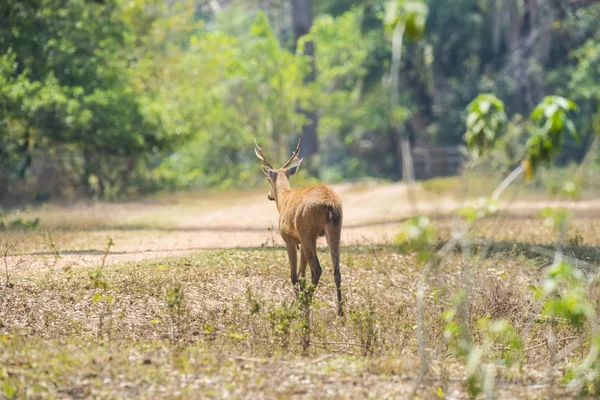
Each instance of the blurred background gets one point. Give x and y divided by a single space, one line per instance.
110 99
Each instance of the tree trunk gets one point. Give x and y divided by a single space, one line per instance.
86 173
404 151
302 20
497 26
26 154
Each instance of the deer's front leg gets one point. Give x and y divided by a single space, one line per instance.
293 257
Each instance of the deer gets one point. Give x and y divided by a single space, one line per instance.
305 215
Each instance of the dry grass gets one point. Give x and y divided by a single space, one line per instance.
154 212
238 330
225 322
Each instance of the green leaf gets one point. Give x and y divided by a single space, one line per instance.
484 106
391 15
485 123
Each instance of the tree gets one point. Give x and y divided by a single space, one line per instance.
226 85
402 17
302 20
68 91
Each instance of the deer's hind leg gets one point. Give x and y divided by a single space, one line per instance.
333 240
309 250
293 257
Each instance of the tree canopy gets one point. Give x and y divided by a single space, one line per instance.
108 98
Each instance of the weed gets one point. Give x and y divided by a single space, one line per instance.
174 297
364 321
305 300
576 240
101 295
254 304
281 319
20 223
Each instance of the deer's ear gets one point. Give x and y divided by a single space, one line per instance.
269 172
294 167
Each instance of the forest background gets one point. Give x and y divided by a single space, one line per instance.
115 98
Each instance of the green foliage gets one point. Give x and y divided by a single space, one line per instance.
569 189
118 97
474 385
485 207
176 308
551 115
584 85
501 333
454 332
352 118
570 302
418 235
9 388
74 95
174 297
410 14
19 223
565 296
281 319
254 304
485 121
551 119
585 80
558 218
97 279
222 92
364 321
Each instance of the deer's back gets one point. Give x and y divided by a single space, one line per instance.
310 209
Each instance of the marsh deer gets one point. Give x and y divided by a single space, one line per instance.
305 214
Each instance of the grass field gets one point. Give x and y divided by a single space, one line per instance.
193 300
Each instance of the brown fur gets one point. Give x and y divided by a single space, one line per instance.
305 214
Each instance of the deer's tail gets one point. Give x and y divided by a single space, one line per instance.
334 215
333 231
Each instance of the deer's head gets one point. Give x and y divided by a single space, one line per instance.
278 177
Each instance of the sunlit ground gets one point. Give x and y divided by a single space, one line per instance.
237 330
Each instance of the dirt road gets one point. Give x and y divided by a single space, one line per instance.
180 224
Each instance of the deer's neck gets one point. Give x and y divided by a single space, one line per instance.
283 189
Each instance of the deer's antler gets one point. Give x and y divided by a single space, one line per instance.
293 157
259 153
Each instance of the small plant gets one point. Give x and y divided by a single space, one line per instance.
564 295
551 118
100 286
305 298
365 322
485 208
8 385
576 240
281 319
485 123
499 348
558 218
485 120
175 299
54 248
254 304
19 223
418 235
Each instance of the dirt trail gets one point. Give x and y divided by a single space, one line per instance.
158 230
